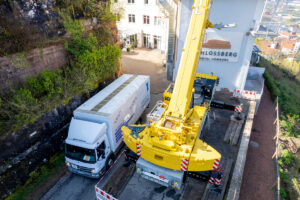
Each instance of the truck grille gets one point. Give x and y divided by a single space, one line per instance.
84 169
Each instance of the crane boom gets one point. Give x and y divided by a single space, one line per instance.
182 92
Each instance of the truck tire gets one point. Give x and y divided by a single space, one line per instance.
110 161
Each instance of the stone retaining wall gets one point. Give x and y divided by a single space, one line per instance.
24 151
14 69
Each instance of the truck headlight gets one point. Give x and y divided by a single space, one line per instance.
68 163
138 170
93 170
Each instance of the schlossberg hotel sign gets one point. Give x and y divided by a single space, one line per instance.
221 46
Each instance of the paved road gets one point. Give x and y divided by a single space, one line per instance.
141 61
72 186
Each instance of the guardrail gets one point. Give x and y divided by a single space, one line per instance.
275 155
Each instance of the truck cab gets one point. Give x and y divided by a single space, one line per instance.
87 155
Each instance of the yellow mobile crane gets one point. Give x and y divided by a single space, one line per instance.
172 139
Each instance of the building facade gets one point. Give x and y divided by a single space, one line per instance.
227 52
142 23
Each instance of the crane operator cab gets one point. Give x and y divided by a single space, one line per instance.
204 89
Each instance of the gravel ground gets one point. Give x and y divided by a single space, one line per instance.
146 62
259 173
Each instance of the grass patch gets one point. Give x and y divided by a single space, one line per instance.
38 177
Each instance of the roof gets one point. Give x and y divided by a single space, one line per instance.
265 47
286 33
289 44
114 95
85 132
280 38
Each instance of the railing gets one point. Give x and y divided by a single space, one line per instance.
275 155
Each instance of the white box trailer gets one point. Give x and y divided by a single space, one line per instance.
95 135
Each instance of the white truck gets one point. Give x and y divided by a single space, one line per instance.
95 135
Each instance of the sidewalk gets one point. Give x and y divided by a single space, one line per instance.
259 173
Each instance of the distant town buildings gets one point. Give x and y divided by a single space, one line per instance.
286 44
280 29
280 15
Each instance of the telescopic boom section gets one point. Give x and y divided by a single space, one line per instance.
182 93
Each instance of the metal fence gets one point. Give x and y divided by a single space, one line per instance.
275 155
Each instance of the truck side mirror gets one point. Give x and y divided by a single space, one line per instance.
101 153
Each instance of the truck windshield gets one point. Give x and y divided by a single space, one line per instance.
81 154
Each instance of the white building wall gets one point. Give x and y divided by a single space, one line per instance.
232 71
139 9
296 47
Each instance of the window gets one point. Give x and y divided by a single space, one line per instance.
147 43
157 21
101 150
130 1
133 38
116 1
156 42
80 154
131 18
146 19
146 1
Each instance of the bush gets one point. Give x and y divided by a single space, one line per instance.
95 61
286 157
289 124
25 96
283 84
79 42
47 84
283 193
283 176
36 87
271 84
99 62
50 82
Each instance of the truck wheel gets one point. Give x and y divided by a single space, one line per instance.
110 161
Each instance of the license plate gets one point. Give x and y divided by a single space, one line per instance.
74 166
